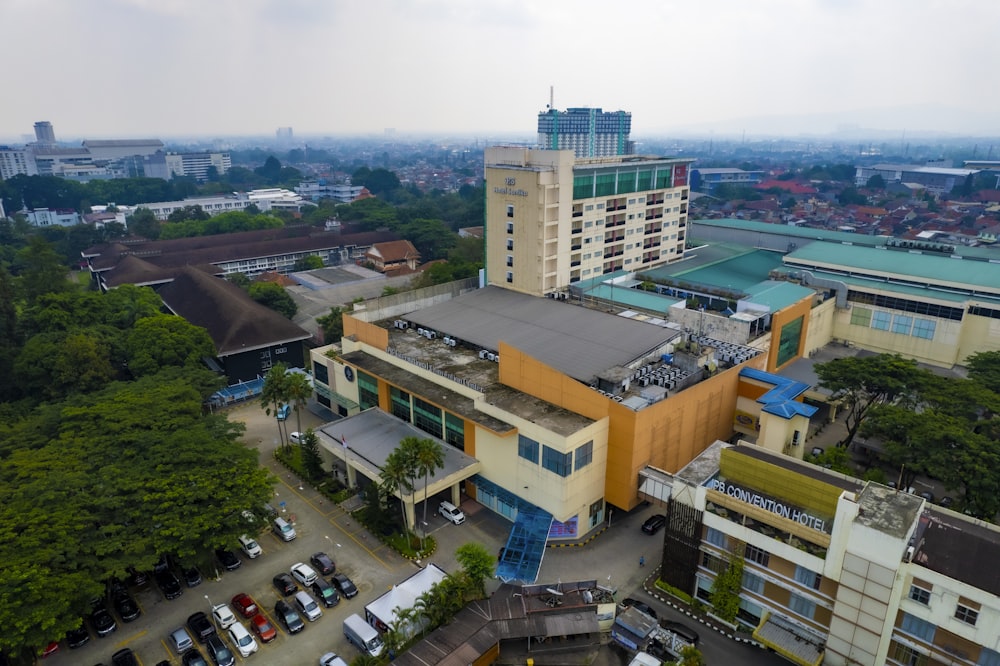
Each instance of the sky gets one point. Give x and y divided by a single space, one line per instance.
171 68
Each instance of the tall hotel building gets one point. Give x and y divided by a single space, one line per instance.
587 132
553 218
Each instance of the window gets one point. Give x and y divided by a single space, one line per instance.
988 657
596 512
807 577
510 260
557 462
906 655
400 401
752 582
510 210
510 276
902 324
454 431
716 538
320 373
916 627
427 417
966 614
880 320
367 391
920 595
924 328
510 244
510 228
527 448
861 316
588 224
584 455
757 555
713 562
802 606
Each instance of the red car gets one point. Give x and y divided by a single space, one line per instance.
246 606
263 628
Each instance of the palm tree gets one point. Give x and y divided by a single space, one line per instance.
429 457
397 475
274 392
299 391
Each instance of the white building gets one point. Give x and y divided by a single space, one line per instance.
314 190
265 200
15 161
44 217
196 165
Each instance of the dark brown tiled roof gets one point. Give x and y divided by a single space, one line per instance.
235 322
133 270
959 548
399 250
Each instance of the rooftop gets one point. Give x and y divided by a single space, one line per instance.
887 510
958 547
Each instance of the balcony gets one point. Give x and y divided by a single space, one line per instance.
574 248
577 213
574 263
652 230
577 230
654 202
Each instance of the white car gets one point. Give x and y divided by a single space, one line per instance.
304 573
451 512
223 616
242 640
250 546
331 659
295 438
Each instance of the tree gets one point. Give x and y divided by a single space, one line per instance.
477 563
691 656
273 296
54 365
850 195
862 382
332 325
274 394
164 340
984 367
40 271
876 182
312 460
298 390
309 263
397 478
191 212
270 171
240 280
725 596
144 223
428 457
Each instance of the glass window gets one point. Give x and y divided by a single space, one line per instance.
400 401
510 260
988 657
880 320
510 210
715 537
807 577
861 316
802 606
554 461
527 448
920 595
902 324
367 391
966 614
920 628
510 276
758 555
454 430
427 417
320 372
924 328
752 582
584 455
510 229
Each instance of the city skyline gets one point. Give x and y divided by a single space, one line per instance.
131 68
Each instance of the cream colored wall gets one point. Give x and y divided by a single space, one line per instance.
978 334
820 331
776 434
942 351
335 370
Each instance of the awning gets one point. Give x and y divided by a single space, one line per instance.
655 485
335 397
791 642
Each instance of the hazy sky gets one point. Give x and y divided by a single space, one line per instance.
161 68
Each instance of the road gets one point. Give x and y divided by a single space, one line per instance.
374 568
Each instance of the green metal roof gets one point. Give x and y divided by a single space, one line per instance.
731 271
778 295
636 298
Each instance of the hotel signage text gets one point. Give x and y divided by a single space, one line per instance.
776 507
509 189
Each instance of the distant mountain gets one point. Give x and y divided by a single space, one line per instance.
892 122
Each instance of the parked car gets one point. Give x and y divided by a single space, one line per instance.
180 640
295 438
325 593
308 606
223 617
245 605
136 577
193 658
304 573
344 585
451 513
124 657
101 619
77 637
168 584
250 546
323 563
654 524
263 628
163 564
946 501
200 626
128 609
638 605
220 654
285 584
228 559
192 577
283 412
331 659
288 616
682 631
242 640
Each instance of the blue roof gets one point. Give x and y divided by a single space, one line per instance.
780 400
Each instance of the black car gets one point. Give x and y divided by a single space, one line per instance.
288 617
325 593
193 658
228 559
136 577
220 654
192 577
201 627
344 584
163 564
682 631
322 563
77 637
124 657
654 524
640 606
128 609
168 584
101 619
285 584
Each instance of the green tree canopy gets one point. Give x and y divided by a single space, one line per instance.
165 340
332 325
273 296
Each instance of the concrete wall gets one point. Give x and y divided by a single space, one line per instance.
710 324
398 305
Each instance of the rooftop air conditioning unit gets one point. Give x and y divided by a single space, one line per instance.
496 358
454 342
491 356
421 331
483 353
431 335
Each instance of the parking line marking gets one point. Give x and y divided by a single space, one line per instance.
129 640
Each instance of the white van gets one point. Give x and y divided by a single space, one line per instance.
308 606
451 512
284 529
250 546
363 635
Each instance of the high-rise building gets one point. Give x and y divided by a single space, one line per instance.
553 219
44 133
14 161
587 132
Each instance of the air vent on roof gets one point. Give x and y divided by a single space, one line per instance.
483 353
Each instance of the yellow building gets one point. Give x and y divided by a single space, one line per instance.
553 219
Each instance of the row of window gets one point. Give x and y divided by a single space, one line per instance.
899 323
963 612
555 461
905 305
